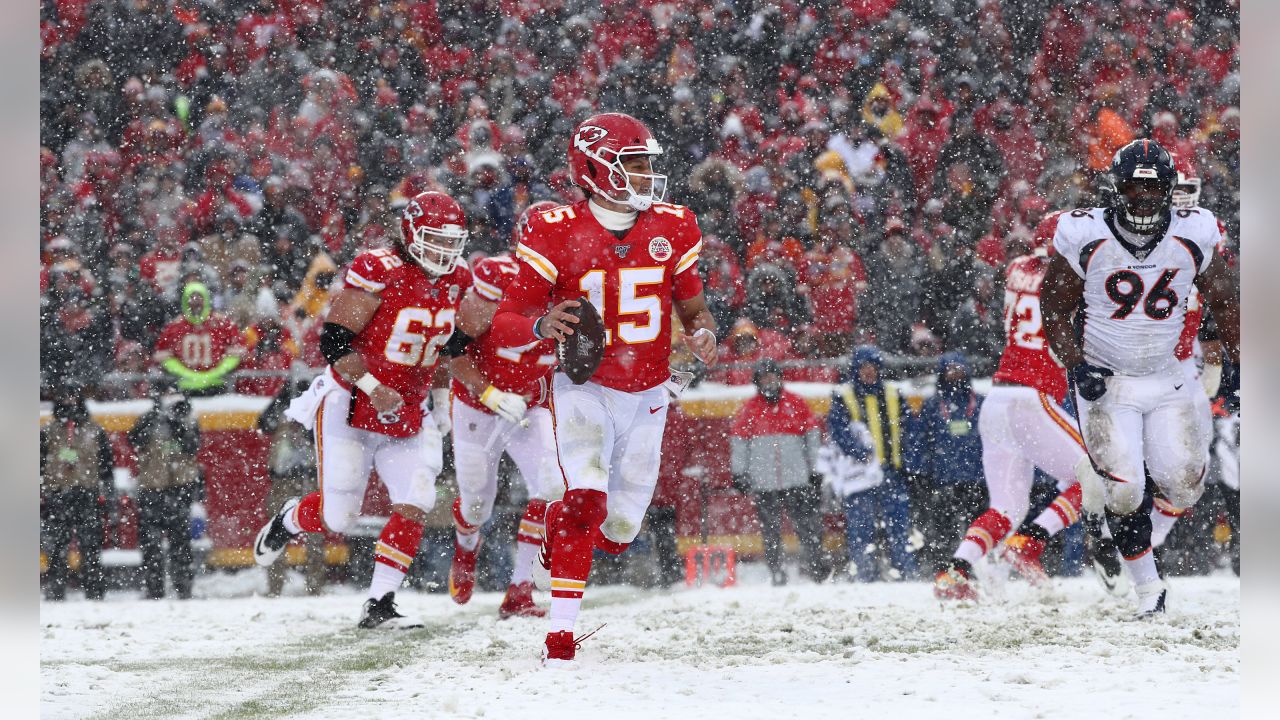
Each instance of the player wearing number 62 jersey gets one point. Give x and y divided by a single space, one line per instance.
1023 427
634 258
1125 271
382 338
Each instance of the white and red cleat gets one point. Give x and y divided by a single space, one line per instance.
1023 553
955 582
519 602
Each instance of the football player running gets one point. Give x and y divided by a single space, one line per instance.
633 257
1125 272
382 339
1023 427
501 396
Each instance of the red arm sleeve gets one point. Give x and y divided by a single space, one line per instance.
524 301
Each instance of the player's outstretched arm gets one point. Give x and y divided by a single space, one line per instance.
507 405
697 319
1060 294
1220 286
350 312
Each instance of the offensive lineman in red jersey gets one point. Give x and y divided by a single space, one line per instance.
633 257
382 339
1023 426
501 396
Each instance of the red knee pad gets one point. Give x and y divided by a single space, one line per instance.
586 509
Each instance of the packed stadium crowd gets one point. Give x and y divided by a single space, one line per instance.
862 170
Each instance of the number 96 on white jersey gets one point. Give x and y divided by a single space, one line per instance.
1134 307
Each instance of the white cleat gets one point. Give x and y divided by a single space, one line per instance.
273 537
1151 597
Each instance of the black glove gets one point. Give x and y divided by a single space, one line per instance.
740 483
815 480
1090 380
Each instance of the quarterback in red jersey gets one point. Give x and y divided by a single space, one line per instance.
501 396
382 338
634 258
1023 426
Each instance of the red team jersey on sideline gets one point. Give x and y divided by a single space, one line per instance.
402 341
199 347
1026 359
632 281
524 369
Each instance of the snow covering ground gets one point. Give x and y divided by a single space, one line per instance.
752 651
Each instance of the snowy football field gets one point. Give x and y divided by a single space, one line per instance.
753 651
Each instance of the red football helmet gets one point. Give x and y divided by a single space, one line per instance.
1042 238
433 231
522 224
596 151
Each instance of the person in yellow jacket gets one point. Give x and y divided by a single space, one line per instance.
878 110
865 398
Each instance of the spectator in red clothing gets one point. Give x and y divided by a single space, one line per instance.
923 135
774 446
1219 56
269 347
835 278
200 347
746 346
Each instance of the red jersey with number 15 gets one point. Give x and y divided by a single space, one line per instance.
402 341
632 281
524 369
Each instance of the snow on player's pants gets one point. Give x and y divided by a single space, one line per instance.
1162 419
345 455
886 503
611 441
480 438
1023 429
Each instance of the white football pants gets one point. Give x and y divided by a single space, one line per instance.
611 441
345 455
1023 429
480 438
1162 419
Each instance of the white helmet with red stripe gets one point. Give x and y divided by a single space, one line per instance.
596 153
1186 191
433 231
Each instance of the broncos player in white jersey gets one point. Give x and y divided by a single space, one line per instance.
1124 272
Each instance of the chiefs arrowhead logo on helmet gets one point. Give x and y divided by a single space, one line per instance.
587 136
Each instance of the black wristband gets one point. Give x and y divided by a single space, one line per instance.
537 322
457 344
335 341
